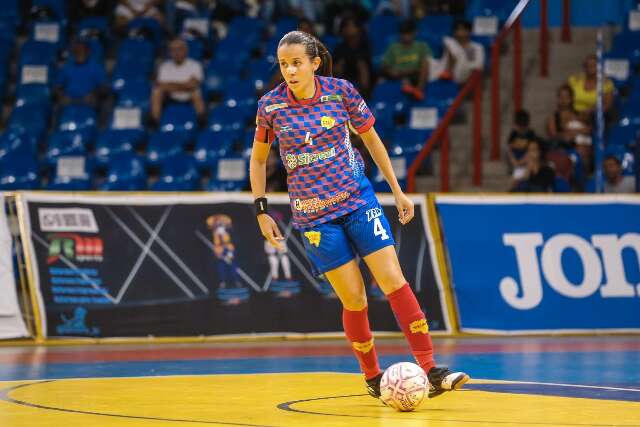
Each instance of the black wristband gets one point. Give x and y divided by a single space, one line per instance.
261 205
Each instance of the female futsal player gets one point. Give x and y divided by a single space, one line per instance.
333 203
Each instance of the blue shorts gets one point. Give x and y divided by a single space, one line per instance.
361 232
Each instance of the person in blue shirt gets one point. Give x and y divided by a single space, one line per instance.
81 80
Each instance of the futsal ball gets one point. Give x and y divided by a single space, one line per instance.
403 386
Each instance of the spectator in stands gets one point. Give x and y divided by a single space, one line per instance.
352 56
408 60
461 55
131 9
584 90
178 79
565 126
538 177
519 138
81 80
614 181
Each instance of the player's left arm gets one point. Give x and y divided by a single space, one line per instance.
379 155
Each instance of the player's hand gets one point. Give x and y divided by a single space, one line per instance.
270 231
405 208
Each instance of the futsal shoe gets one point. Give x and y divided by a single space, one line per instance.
373 386
442 379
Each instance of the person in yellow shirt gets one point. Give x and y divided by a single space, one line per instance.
584 89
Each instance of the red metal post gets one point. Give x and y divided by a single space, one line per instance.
477 134
566 21
495 100
444 163
517 65
544 40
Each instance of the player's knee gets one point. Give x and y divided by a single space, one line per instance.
355 302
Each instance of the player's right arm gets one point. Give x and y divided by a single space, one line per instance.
258 177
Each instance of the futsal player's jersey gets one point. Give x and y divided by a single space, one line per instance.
325 173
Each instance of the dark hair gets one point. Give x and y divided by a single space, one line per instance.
312 47
612 157
461 23
521 118
566 87
407 26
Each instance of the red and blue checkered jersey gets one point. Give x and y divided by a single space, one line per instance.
325 173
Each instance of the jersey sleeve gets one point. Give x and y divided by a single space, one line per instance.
359 114
264 130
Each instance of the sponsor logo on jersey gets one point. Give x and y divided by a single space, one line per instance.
363 347
419 325
313 237
304 159
327 122
327 98
273 107
316 204
373 214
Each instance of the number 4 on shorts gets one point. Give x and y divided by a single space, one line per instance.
378 229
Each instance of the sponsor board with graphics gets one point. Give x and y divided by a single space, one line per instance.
186 265
543 263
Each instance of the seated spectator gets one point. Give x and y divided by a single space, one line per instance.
565 125
178 80
131 9
81 80
461 55
408 60
352 56
519 139
584 90
614 181
538 177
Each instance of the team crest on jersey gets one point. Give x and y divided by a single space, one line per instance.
313 237
327 122
273 107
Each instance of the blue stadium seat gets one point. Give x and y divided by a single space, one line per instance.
136 51
245 27
164 145
93 25
129 74
127 117
30 119
65 143
561 185
37 53
229 174
409 142
195 47
217 76
388 95
618 75
11 142
211 146
443 91
382 25
80 118
624 136
260 73
499 8
426 114
57 7
126 172
10 11
113 142
179 118
379 45
149 26
134 93
19 171
240 94
233 51
36 94
50 32
400 167
284 25
178 173
227 118
71 173
627 44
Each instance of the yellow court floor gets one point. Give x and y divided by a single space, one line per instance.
282 400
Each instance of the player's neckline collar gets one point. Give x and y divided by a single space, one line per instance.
316 95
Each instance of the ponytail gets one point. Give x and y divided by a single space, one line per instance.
313 48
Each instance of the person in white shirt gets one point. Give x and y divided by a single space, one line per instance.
614 181
178 80
461 55
126 10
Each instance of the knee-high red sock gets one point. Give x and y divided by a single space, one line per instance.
356 328
414 325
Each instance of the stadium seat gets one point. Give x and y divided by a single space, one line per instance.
93 25
164 145
37 53
80 118
627 44
36 94
618 68
57 8
71 173
179 118
241 93
625 136
388 94
409 141
211 146
400 166
233 51
561 185
50 32
146 29
283 26
178 173
426 114
127 117
134 93
442 91
260 73
19 171
217 76
125 172
244 27
30 119
65 143
227 118
12 141
113 142
10 12
196 48
228 174
136 51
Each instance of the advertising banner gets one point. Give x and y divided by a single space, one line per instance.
189 265
544 263
11 323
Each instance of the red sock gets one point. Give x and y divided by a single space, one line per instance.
356 328
414 325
